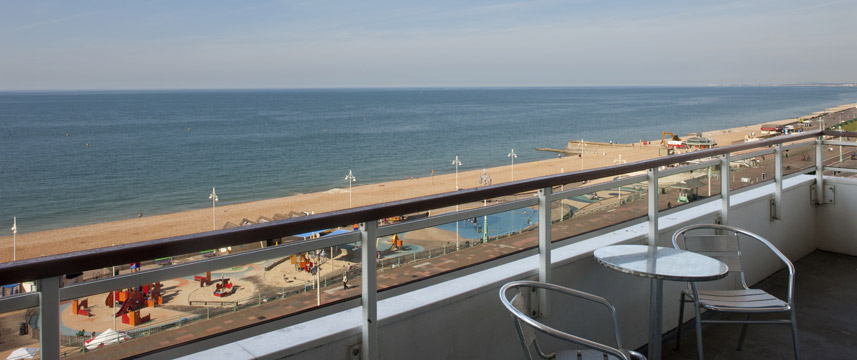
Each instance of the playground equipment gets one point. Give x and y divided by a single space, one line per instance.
203 280
133 300
81 308
223 288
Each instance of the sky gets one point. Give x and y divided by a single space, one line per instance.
215 44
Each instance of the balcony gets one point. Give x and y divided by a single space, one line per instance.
443 303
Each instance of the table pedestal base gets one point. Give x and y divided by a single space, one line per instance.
656 298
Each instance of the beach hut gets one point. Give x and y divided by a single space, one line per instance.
291 214
688 190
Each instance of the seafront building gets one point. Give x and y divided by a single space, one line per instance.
442 302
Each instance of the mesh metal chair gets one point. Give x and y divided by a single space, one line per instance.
526 326
724 243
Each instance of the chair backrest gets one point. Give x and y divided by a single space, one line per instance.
723 243
527 327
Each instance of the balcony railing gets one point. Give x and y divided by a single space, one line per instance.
734 167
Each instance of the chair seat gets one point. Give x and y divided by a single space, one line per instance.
583 355
740 300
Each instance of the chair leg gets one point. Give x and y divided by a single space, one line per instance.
680 320
743 332
698 330
794 334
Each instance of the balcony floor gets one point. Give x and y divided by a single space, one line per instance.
826 301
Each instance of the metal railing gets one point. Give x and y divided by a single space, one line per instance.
48 271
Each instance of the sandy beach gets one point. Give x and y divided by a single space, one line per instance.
30 245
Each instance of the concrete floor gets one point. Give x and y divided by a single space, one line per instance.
826 302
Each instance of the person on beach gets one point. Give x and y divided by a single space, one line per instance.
345 281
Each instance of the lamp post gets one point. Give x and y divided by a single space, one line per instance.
485 180
457 163
14 239
350 178
619 160
840 139
319 255
213 197
512 155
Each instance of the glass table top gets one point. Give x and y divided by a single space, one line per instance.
667 264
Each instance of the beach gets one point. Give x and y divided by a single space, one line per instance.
36 244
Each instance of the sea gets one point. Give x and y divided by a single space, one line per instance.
72 158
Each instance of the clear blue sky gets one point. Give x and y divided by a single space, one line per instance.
318 43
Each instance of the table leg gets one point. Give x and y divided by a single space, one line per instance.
656 299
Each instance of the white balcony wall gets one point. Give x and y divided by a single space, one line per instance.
836 224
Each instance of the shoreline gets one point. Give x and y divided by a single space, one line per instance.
64 240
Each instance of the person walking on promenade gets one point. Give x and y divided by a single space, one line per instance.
345 281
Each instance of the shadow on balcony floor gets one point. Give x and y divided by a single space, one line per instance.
826 301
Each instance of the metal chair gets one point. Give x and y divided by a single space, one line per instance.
526 326
724 243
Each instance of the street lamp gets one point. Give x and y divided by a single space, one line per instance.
512 155
457 164
213 197
619 160
319 255
14 239
350 178
485 180
840 139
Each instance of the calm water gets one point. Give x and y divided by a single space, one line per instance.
161 151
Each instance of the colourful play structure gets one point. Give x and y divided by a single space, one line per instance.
133 300
222 287
81 308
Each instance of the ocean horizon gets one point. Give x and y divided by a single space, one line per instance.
76 157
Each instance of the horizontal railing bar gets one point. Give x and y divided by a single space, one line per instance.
628 181
202 266
588 189
798 145
845 170
837 142
53 265
453 216
753 154
686 168
19 302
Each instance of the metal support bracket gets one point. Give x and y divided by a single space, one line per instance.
829 194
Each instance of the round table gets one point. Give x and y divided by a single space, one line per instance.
659 264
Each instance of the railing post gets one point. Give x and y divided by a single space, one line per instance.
544 247
819 169
778 183
653 207
656 285
49 306
369 291
725 184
